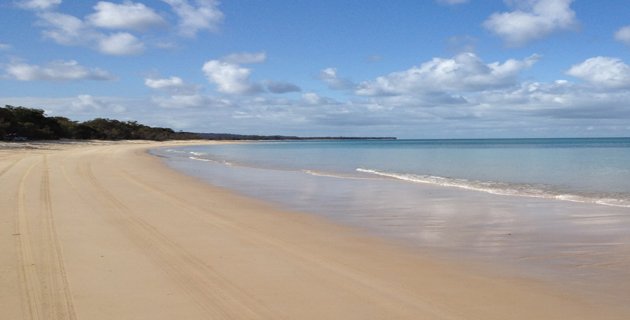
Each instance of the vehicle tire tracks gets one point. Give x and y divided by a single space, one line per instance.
339 268
8 167
45 286
213 293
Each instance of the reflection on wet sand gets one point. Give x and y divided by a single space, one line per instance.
587 246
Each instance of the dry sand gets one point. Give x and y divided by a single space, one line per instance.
105 231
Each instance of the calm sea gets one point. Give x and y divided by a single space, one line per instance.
581 170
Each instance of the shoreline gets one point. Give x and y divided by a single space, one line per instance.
577 247
109 231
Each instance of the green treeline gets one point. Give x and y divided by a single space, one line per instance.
19 123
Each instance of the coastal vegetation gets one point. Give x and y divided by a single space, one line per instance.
21 123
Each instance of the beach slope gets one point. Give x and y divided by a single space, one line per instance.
106 231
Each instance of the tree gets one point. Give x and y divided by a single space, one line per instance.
34 124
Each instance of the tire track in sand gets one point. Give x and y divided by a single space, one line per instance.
29 278
214 294
8 167
360 283
61 304
45 286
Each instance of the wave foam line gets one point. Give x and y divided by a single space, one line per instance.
210 160
332 175
499 188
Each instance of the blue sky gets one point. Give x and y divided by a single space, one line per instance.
412 69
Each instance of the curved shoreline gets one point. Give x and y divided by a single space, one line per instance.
108 231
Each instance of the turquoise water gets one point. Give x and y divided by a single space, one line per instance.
581 170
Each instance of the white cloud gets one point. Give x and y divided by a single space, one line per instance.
245 58
5 46
204 15
230 78
557 108
120 44
71 31
166 83
173 85
452 2
92 32
531 20
330 77
127 15
38 4
65 29
464 72
181 101
55 71
88 103
623 35
603 71
312 98
190 101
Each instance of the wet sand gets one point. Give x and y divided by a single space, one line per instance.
105 231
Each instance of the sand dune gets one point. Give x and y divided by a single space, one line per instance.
105 231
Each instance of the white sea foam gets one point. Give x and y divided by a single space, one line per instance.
174 151
332 175
501 188
200 159
227 163
198 153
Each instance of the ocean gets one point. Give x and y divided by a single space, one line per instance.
547 207
582 170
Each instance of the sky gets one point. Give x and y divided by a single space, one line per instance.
405 68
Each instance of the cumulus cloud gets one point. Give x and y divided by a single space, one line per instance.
38 4
197 100
559 99
281 87
56 71
166 83
312 98
202 15
173 85
330 77
230 78
623 35
71 31
531 20
245 57
181 101
86 103
120 44
65 29
464 72
603 71
127 15
93 31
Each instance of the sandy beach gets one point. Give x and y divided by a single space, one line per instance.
106 231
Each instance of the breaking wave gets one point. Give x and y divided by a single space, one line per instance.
507 189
